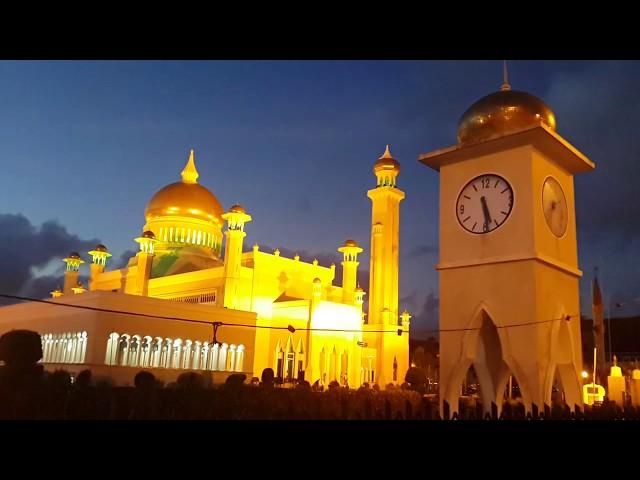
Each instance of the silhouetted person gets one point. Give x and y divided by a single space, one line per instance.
21 378
145 399
235 380
58 388
82 400
268 378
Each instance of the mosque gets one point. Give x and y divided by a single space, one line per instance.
184 302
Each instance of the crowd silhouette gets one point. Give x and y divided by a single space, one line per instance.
28 392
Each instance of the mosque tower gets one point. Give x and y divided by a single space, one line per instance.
383 317
236 219
350 251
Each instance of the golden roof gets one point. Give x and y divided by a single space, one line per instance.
237 209
351 243
386 162
100 248
501 113
186 198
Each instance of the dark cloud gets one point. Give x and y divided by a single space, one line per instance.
596 110
24 247
426 319
123 260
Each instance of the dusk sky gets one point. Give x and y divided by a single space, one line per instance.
84 146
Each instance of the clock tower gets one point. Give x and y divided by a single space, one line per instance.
508 266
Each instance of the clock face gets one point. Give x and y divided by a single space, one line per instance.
484 203
554 206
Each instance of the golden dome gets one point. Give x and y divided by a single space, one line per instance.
101 248
351 243
148 234
186 199
74 255
386 162
237 209
501 113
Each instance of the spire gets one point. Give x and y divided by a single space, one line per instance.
189 173
596 293
387 153
505 77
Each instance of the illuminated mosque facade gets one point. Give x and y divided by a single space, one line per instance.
184 302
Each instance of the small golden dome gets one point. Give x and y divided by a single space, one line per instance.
351 243
186 198
148 234
359 289
386 162
317 280
501 113
74 255
101 248
237 209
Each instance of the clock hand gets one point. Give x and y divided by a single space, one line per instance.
485 210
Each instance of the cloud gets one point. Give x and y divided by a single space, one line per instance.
427 318
596 110
123 260
24 247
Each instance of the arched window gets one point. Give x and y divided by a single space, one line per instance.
239 359
197 352
323 366
187 352
333 365
204 356
112 349
395 369
123 350
231 361
344 367
134 351
300 359
214 354
145 352
156 347
165 353
222 357
176 353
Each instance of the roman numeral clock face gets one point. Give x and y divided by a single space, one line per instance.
484 203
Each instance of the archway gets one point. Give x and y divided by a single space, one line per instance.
563 383
470 404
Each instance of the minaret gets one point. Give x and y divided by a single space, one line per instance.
145 262
73 262
598 327
350 251
236 217
99 257
385 241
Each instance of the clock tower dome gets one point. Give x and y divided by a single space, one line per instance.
508 266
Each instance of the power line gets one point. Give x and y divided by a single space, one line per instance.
180 319
271 327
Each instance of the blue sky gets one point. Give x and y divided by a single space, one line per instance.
87 143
